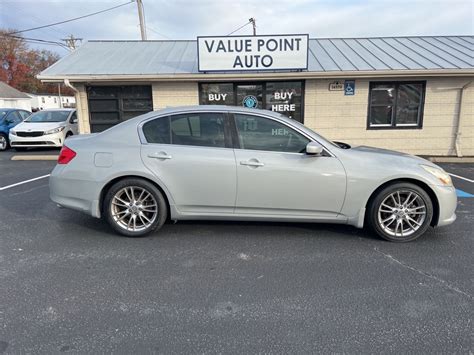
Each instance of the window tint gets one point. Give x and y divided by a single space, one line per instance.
198 129
259 133
158 131
397 104
201 129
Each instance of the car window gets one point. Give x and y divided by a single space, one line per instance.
24 114
73 117
259 133
158 131
48 116
196 129
14 117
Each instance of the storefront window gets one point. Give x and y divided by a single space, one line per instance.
285 97
217 94
109 105
396 105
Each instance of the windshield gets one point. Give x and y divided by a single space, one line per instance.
48 116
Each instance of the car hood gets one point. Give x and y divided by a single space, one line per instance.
38 126
390 155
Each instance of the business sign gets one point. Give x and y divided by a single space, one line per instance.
243 53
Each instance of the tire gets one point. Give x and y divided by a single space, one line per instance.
4 143
405 224
121 215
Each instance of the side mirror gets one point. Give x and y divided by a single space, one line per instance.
313 148
74 120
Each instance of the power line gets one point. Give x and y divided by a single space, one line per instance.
238 29
36 40
158 33
72 19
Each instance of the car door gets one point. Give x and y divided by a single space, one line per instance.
192 155
276 177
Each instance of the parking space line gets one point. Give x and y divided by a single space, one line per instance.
461 177
24 182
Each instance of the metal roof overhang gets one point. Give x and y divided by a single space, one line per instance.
259 76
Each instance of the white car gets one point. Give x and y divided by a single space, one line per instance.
48 128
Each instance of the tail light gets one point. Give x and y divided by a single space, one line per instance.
66 155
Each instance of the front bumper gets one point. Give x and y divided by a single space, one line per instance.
48 140
447 201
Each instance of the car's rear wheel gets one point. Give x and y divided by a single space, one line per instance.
135 207
400 212
3 142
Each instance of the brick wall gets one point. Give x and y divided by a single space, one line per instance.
344 118
169 94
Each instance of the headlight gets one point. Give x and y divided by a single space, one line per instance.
54 130
440 174
12 132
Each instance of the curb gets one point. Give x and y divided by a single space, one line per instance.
34 157
451 159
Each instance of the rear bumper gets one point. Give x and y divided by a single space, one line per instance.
81 195
448 202
49 140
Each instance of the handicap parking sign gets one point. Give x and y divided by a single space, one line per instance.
349 87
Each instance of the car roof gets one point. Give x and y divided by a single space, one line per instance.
57 109
12 109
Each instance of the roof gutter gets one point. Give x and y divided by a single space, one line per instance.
256 76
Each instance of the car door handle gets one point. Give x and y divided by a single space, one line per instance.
251 163
161 155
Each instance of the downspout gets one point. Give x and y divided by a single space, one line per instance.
78 106
457 142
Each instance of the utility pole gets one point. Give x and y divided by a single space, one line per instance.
71 42
141 17
254 25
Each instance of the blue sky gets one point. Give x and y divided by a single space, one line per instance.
179 19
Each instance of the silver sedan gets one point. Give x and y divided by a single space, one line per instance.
230 163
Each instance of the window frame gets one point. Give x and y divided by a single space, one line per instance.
230 131
228 139
393 124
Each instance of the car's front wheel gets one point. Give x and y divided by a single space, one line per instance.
400 212
134 207
3 142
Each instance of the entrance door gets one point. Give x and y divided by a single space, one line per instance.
250 95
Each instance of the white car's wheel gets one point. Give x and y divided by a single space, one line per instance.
400 212
135 207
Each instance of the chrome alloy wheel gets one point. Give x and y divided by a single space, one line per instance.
3 143
134 208
402 213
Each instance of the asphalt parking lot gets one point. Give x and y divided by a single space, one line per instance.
68 284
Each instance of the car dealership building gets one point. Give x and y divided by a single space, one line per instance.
412 94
